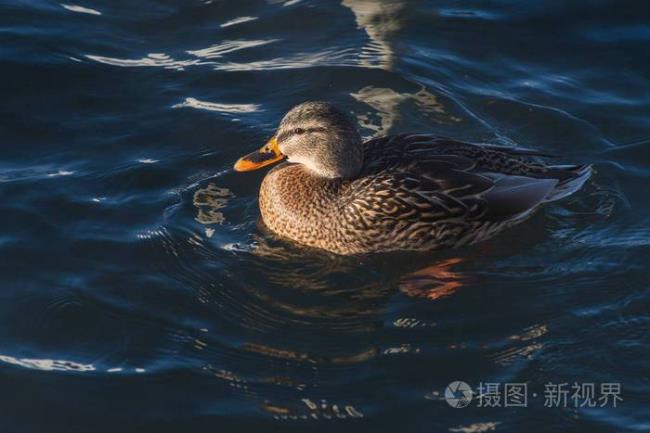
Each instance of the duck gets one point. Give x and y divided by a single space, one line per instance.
407 192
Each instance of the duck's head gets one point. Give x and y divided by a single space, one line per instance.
314 134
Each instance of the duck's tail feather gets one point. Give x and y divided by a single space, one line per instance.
570 179
516 196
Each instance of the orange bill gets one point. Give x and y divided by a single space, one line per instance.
266 155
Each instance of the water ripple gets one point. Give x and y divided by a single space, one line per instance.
239 20
218 50
47 364
81 9
219 107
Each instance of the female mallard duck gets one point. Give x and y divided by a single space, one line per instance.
403 192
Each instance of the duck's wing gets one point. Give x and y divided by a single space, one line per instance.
405 149
445 189
429 178
423 154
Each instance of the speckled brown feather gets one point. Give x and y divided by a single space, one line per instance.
414 192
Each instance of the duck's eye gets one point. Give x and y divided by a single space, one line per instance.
298 131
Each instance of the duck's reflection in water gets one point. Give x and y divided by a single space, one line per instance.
291 323
317 288
433 282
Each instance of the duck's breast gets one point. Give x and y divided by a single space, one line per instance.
298 205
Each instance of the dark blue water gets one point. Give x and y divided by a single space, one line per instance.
138 294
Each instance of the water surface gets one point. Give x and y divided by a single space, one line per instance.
139 294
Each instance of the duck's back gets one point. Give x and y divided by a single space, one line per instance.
421 192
